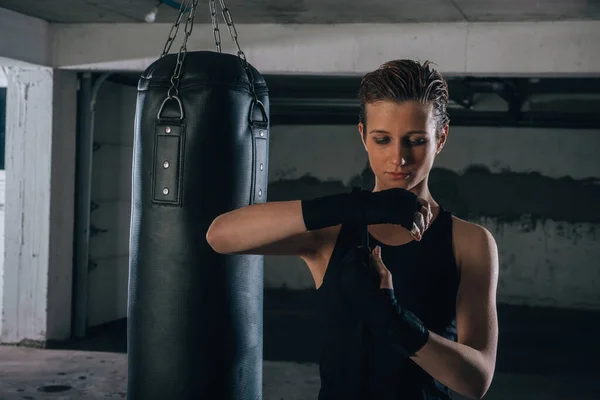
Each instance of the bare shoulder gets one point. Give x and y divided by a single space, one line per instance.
473 243
469 230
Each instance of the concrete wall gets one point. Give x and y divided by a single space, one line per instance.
534 189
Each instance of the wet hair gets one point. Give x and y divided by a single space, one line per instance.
406 80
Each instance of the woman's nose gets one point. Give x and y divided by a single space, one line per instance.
399 156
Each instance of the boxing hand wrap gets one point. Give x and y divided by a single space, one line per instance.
391 206
378 307
322 212
396 325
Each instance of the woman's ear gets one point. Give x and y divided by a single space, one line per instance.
361 131
442 140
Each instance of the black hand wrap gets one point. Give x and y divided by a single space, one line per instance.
397 325
378 307
391 206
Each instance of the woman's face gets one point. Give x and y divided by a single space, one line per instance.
400 139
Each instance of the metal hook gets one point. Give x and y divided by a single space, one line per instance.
176 98
265 119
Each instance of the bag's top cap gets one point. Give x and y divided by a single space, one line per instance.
202 67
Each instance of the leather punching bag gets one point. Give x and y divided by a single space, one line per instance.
195 316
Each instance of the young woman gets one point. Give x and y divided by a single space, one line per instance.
429 326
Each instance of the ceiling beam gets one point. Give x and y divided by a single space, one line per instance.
557 48
281 115
24 40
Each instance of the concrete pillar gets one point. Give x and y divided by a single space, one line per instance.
3 84
39 208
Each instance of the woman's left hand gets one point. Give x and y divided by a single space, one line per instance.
422 220
384 274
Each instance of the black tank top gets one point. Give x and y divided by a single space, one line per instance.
425 276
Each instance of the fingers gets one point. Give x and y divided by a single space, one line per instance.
418 226
384 273
422 220
427 214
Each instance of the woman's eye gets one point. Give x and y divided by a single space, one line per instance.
410 142
417 141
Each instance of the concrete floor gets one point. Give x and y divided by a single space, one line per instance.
36 374
543 354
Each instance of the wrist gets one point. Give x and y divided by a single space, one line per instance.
391 206
403 329
332 210
388 294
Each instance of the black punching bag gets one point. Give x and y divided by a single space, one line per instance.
195 316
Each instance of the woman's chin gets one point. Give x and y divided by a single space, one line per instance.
394 182
389 184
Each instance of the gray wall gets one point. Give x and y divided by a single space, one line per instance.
534 189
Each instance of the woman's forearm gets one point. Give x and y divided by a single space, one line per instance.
255 226
463 369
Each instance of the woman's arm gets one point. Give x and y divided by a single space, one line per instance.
285 227
467 367
272 228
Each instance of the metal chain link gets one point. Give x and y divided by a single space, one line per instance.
175 27
189 7
233 32
215 23
189 26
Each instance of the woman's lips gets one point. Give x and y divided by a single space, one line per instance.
398 175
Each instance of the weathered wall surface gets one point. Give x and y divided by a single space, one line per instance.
536 190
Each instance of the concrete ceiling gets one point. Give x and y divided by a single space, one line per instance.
317 11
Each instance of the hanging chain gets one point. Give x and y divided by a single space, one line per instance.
240 53
215 24
174 29
189 26
189 7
